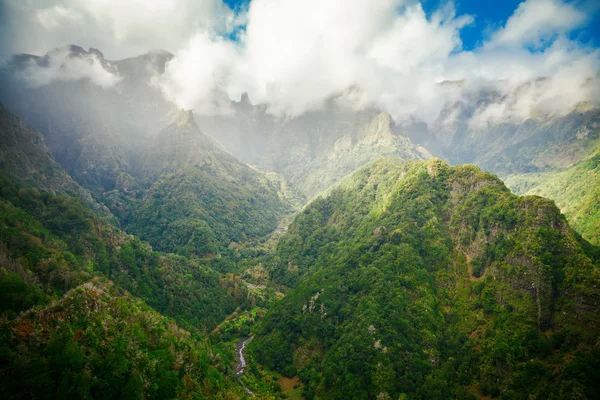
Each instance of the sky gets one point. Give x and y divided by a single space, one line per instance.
294 55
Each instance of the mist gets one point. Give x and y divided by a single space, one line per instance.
294 56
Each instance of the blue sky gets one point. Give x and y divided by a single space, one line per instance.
490 15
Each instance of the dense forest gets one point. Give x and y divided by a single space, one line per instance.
340 248
99 342
574 191
429 281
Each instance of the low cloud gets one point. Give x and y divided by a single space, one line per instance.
121 28
295 55
196 76
64 66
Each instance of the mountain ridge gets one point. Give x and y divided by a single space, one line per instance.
449 254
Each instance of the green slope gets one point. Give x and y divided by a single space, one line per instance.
50 244
434 282
576 191
201 199
24 158
99 342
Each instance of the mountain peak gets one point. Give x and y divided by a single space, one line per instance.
245 99
244 104
184 118
97 52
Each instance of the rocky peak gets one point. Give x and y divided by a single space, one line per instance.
245 99
96 52
244 104
184 118
380 129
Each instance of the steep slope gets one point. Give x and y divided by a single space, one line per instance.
430 281
25 158
576 191
50 244
313 150
201 198
505 145
97 130
130 147
340 147
99 342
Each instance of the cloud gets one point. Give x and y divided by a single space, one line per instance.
64 66
198 72
321 49
121 28
52 18
537 21
294 55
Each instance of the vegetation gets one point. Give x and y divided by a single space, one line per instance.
25 158
408 280
67 333
576 191
51 244
98 342
427 281
201 210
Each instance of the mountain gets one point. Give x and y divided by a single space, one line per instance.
576 191
50 244
422 280
535 142
24 158
524 150
404 277
99 342
202 199
103 121
313 150
137 153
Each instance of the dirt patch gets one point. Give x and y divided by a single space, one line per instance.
472 277
288 384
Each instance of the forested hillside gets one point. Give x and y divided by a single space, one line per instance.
422 280
51 244
300 199
25 158
99 342
576 191
201 199
68 332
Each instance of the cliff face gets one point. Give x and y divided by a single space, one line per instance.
422 266
316 149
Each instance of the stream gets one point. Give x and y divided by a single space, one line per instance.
241 365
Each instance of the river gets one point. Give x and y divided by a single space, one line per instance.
241 365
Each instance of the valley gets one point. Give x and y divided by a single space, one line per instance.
354 246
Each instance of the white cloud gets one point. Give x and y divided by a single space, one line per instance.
54 17
62 65
295 54
121 28
197 74
323 48
536 21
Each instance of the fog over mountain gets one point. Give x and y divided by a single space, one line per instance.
392 51
300 199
